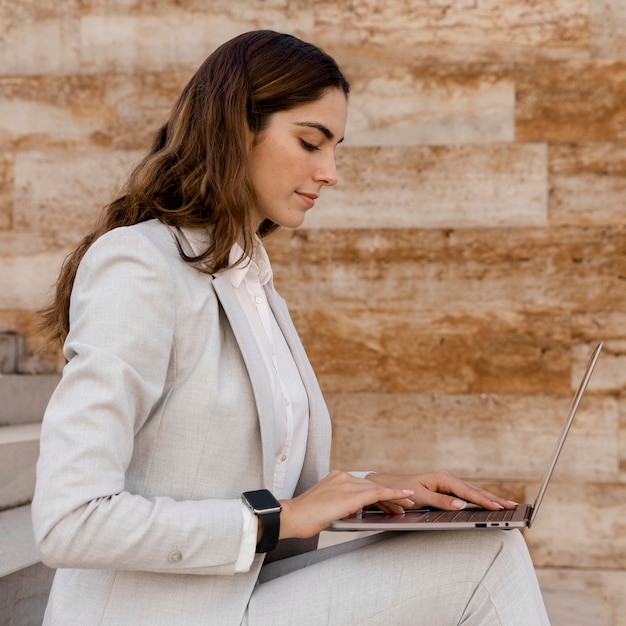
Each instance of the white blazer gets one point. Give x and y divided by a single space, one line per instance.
163 416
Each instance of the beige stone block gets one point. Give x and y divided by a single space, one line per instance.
26 123
403 351
140 104
6 190
404 105
176 37
591 325
610 371
621 439
608 29
480 437
454 31
235 9
587 183
571 102
85 112
59 190
24 243
11 347
26 282
580 525
126 42
36 358
578 597
38 38
453 270
436 187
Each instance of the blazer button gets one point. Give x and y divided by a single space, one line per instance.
175 556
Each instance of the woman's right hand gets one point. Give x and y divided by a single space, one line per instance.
335 496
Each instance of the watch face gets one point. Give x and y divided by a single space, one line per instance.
261 500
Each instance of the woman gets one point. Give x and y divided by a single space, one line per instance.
186 385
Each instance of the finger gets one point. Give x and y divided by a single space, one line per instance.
386 494
377 493
442 501
405 503
460 491
475 495
396 507
449 495
390 507
507 504
340 494
499 502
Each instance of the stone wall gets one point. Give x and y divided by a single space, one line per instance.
449 289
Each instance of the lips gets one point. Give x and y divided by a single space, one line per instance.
309 198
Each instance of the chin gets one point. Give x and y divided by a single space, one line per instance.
294 221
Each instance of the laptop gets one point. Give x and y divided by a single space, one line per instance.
471 517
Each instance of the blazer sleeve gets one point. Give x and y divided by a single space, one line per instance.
119 349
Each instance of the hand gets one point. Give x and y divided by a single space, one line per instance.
335 496
441 490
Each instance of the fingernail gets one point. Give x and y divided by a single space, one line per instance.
458 504
498 505
513 503
408 492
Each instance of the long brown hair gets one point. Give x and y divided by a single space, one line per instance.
196 172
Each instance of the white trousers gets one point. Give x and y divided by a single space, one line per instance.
431 578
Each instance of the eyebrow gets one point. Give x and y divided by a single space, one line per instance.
325 131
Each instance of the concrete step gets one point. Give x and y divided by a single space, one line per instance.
24 581
16 540
24 397
24 596
19 448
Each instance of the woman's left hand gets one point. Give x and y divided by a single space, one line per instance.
442 490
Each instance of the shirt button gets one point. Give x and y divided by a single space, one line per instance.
283 458
258 300
286 400
175 556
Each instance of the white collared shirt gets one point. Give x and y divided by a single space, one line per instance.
252 281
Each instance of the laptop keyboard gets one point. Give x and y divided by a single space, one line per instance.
469 515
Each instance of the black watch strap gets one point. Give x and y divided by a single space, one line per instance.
265 506
270 523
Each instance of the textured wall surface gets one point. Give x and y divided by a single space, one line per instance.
449 289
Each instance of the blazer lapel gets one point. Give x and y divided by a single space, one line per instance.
270 438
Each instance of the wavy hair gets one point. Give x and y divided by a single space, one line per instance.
197 171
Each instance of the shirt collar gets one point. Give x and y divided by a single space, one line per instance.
258 266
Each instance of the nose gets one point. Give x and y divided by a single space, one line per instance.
327 171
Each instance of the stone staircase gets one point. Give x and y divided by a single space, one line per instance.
24 580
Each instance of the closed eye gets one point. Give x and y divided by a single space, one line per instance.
308 146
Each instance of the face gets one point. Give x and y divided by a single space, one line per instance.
294 157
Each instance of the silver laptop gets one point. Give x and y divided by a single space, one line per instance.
434 519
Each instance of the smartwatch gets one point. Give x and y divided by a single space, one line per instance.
267 508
